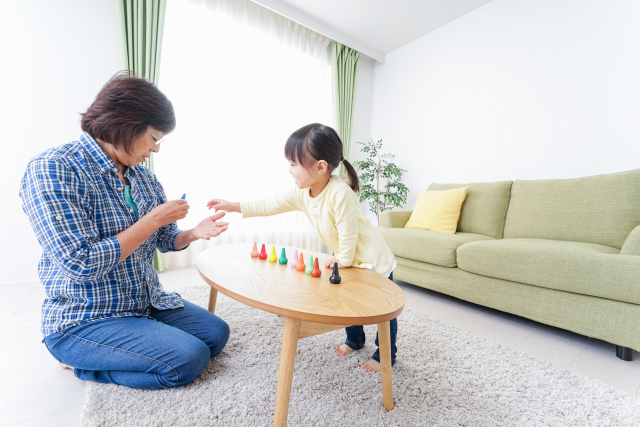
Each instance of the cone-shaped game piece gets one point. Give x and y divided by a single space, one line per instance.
301 266
335 276
309 266
263 253
254 252
283 258
316 270
273 257
294 262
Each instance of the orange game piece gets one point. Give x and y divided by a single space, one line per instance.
316 270
254 252
301 266
263 253
273 257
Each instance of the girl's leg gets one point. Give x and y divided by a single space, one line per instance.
393 326
196 321
133 351
355 337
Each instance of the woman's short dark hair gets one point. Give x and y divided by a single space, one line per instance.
315 142
125 107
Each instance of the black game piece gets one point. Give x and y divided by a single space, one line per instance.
335 277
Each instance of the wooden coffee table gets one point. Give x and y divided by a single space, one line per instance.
310 306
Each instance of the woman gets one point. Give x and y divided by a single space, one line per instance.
99 217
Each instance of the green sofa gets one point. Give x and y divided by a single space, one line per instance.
565 252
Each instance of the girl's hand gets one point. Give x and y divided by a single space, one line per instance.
223 205
329 263
209 227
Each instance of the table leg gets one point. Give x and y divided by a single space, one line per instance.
285 375
384 340
213 295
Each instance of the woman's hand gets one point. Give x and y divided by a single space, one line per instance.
209 227
329 263
223 205
169 212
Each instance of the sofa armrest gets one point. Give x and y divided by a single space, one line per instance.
395 218
632 244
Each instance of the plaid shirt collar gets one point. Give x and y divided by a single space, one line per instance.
102 160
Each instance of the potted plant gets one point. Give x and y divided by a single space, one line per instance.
380 180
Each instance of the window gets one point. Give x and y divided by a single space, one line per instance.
241 79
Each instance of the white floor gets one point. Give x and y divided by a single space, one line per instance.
35 391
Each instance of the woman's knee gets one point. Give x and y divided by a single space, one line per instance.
192 361
220 337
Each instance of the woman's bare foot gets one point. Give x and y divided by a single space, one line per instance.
342 350
62 365
371 366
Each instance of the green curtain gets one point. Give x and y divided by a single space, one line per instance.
344 63
139 28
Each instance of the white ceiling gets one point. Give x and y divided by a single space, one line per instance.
379 25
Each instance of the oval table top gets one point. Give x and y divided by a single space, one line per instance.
363 297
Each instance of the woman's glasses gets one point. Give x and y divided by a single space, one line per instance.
155 138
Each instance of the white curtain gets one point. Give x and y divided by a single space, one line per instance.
241 79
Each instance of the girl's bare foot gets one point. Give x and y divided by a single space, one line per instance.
371 366
342 350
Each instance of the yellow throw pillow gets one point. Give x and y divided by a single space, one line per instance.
438 210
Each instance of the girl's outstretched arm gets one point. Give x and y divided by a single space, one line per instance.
287 201
223 205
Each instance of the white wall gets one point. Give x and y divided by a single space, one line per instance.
517 89
56 55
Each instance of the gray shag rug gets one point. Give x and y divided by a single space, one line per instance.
443 376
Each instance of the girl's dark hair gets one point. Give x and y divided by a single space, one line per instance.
125 107
315 142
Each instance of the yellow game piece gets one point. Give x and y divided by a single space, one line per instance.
273 257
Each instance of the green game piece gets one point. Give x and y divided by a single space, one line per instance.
283 258
309 266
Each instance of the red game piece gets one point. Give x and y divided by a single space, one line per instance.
301 266
316 270
254 252
263 253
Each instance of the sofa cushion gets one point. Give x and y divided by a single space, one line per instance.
427 246
581 268
484 209
632 244
438 210
599 209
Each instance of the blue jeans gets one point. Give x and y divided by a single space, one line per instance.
139 352
356 337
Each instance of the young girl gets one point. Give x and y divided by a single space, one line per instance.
331 205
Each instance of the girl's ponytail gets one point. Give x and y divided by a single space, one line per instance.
351 175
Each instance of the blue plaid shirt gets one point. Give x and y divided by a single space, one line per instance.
75 203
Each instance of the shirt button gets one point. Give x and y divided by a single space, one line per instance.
59 217
130 210
119 188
